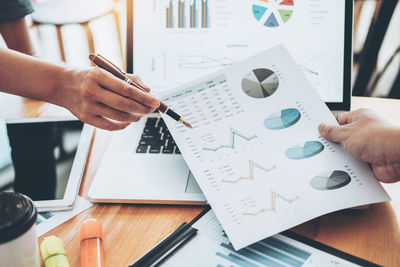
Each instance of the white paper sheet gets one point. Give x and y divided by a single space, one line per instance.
49 220
261 162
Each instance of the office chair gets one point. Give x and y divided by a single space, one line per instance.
64 12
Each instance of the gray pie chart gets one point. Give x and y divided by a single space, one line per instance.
260 83
330 180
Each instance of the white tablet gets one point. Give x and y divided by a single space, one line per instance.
44 158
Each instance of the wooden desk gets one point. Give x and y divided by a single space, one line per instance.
130 230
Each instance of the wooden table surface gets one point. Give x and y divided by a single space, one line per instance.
130 230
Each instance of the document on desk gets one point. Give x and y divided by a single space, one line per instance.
211 247
256 152
48 220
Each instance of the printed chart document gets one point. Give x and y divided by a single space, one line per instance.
48 220
211 247
256 152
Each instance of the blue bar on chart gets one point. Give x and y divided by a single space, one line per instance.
205 15
183 14
269 252
193 15
169 15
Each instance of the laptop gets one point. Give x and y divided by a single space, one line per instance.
173 42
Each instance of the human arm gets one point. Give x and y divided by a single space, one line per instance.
16 35
369 138
13 27
93 95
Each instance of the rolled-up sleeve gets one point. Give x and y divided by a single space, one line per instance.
14 9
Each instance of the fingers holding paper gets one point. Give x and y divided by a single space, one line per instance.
369 138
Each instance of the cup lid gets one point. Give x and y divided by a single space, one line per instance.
17 215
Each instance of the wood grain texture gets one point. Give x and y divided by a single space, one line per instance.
130 230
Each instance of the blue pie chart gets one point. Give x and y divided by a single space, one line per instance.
282 119
304 150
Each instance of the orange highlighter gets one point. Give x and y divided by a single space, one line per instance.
91 244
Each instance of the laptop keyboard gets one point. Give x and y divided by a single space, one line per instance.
156 138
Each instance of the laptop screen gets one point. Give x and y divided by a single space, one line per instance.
176 41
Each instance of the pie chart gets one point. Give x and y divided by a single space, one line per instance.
260 83
304 150
330 180
273 13
282 119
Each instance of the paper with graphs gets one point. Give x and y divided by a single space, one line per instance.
256 152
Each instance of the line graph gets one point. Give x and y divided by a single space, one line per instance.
231 144
304 66
252 164
308 70
203 62
274 197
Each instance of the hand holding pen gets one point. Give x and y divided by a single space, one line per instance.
103 63
98 98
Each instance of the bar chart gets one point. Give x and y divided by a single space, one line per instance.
269 252
182 14
211 247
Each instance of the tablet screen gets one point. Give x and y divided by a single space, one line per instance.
36 158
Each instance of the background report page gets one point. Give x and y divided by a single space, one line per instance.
256 152
177 41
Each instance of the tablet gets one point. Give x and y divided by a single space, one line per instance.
44 159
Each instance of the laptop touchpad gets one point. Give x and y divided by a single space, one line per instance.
191 184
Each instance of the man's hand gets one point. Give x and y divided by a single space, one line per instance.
100 99
369 138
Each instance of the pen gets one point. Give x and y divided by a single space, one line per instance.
166 246
105 64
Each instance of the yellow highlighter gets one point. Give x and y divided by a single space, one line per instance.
53 252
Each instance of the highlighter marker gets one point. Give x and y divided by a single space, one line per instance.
91 244
53 252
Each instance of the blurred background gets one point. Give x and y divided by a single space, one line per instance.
62 32
376 48
65 30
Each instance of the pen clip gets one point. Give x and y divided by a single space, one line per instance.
112 64
124 73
